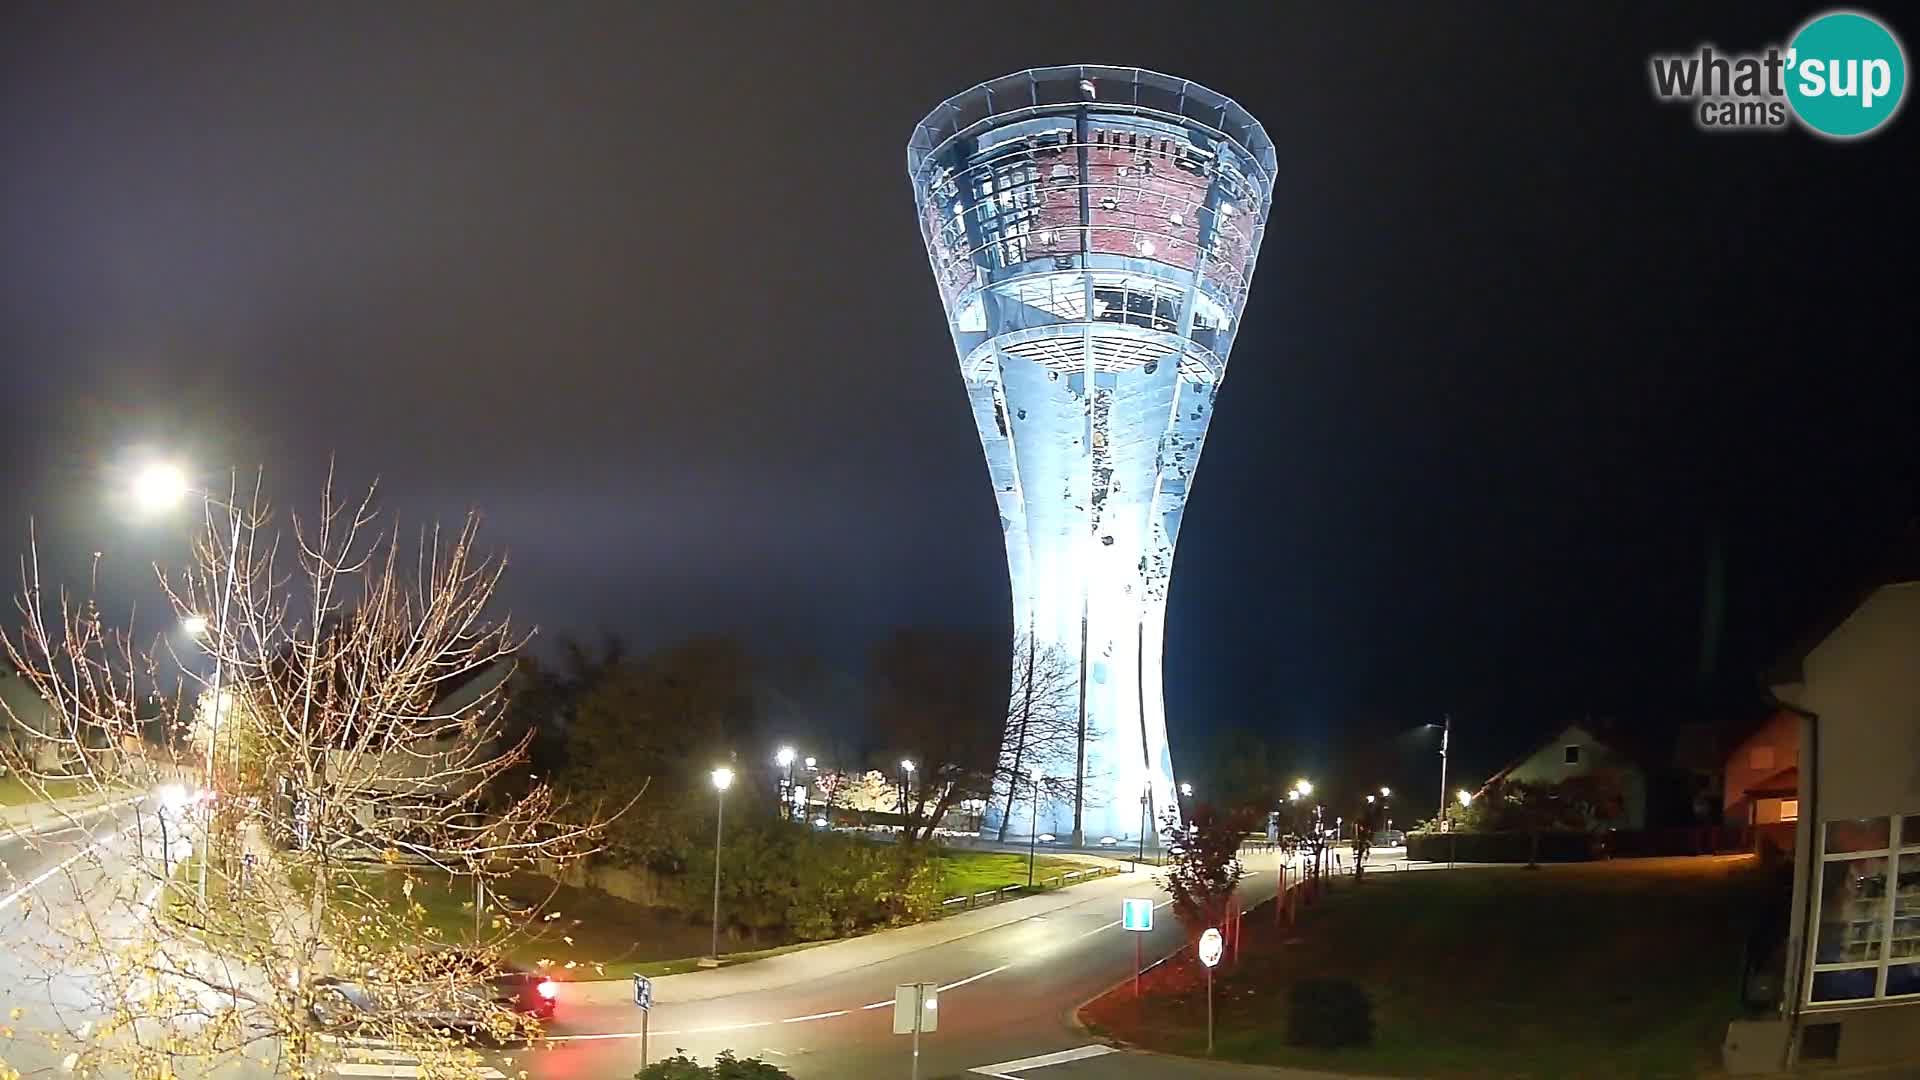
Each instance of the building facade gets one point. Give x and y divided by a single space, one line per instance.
1092 232
1855 985
1574 751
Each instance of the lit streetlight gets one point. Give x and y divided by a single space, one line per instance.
1386 793
906 792
784 758
1186 789
157 487
722 780
160 486
1303 787
1465 797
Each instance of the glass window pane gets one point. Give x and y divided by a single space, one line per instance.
1853 910
1910 830
1844 985
1903 979
1860 834
1905 942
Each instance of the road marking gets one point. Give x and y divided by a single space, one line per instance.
1060 1057
13 897
814 1016
973 978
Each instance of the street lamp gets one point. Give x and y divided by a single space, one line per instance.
722 780
1033 835
1446 737
1386 793
1465 797
160 486
1303 787
906 791
784 758
1186 789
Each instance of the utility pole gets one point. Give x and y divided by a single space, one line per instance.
1446 735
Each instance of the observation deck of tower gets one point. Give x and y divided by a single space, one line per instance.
1092 232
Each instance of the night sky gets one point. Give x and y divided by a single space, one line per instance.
644 284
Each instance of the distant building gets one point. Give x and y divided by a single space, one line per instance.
1761 785
1575 751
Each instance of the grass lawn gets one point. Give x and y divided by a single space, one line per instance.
15 791
1626 968
963 872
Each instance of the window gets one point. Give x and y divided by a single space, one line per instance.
1573 755
1867 923
1789 809
1760 757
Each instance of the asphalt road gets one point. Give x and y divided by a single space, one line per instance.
1005 997
1006 992
47 878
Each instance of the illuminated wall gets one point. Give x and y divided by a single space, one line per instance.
1093 231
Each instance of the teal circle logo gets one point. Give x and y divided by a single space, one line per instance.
1846 74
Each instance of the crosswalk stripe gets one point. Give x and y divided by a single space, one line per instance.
395 1071
1041 1061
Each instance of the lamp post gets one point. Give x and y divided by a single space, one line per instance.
906 793
784 758
1446 737
161 486
1386 812
1033 823
722 780
1146 802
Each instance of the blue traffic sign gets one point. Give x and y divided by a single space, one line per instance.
1136 915
643 991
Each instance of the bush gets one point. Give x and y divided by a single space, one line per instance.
1329 1013
811 886
725 1067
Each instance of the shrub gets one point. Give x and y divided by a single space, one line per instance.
725 1067
1329 1013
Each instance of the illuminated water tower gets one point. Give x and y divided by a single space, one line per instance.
1093 232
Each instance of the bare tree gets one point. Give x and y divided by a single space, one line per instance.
1043 729
328 793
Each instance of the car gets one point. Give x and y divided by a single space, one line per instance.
452 999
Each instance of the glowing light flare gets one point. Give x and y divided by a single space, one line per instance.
160 486
722 779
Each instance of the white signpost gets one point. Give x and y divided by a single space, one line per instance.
1210 949
643 997
1137 916
916 1008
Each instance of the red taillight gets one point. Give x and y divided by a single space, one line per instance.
548 989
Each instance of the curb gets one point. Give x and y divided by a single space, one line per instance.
61 819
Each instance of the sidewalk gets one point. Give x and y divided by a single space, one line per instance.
833 958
